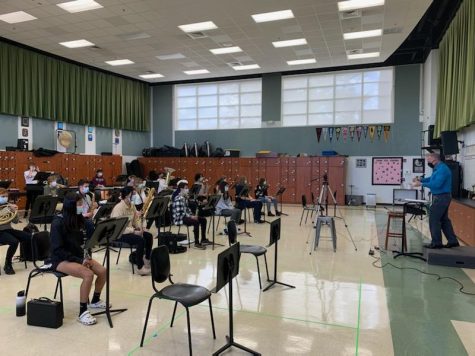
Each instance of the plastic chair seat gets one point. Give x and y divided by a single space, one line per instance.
185 294
253 249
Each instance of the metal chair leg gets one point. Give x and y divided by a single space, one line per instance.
133 267
189 330
212 319
118 254
56 289
173 316
146 319
306 216
267 269
258 272
301 217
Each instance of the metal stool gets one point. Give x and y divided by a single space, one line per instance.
324 220
392 215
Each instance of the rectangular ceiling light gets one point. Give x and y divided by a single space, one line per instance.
363 55
273 16
151 76
358 4
77 44
196 71
199 26
80 5
16 17
289 43
246 67
362 34
167 57
301 61
119 62
226 50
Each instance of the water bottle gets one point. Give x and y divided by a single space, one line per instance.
21 303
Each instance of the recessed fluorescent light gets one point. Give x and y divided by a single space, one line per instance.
197 71
77 44
301 61
362 34
288 43
119 62
199 26
225 50
246 67
151 76
363 55
79 5
167 57
18 16
273 16
358 4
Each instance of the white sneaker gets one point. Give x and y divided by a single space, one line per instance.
144 271
86 318
99 305
146 261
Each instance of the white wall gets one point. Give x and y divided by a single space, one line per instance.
467 156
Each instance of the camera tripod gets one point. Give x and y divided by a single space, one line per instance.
325 192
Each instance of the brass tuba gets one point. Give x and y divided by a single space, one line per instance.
7 214
169 171
147 203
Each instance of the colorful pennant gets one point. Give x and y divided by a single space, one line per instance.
380 131
325 133
359 130
365 131
337 132
372 130
352 132
331 130
387 129
319 133
344 131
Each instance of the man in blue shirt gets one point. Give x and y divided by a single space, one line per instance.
440 185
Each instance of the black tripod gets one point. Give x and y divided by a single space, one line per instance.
107 231
274 240
228 268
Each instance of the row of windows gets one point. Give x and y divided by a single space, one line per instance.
343 98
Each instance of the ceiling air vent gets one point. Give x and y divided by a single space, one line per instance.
235 64
196 35
353 14
392 30
354 51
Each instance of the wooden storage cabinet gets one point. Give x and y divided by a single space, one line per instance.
462 214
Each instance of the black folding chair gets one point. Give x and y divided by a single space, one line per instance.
187 295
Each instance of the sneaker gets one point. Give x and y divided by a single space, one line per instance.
146 261
86 318
8 268
206 242
200 246
99 305
270 214
259 221
225 231
144 271
277 213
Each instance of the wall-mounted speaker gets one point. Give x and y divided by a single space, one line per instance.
449 142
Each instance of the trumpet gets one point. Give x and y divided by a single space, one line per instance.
8 213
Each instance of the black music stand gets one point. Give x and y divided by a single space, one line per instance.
103 212
107 231
279 194
43 210
5 184
211 208
228 268
274 237
157 210
244 192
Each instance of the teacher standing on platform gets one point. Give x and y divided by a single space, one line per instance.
440 185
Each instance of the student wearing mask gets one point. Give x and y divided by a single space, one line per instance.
244 200
52 186
87 205
134 234
138 196
225 206
8 235
182 215
264 198
99 180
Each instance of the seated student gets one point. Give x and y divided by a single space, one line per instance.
263 197
198 196
8 235
244 200
99 182
138 196
52 186
67 256
88 206
225 206
133 233
181 215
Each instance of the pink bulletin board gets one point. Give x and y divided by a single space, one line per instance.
387 170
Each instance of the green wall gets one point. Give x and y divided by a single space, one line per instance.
404 138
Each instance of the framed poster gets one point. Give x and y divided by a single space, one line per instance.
418 165
387 170
25 121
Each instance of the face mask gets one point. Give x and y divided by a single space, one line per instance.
265 183
430 164
142 185
3 200
85 190
226 188
201 179
78 210
54 184
99 174
136 199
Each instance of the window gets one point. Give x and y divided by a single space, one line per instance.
222 105
340 98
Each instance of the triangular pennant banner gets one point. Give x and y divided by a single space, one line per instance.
359 130
337 132
352 132
380 131
344 131
319 133
325 133
387 129
365 131
330 133
372 130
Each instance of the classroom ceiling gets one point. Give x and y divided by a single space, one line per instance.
143 30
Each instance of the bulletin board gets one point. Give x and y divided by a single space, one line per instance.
387 170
